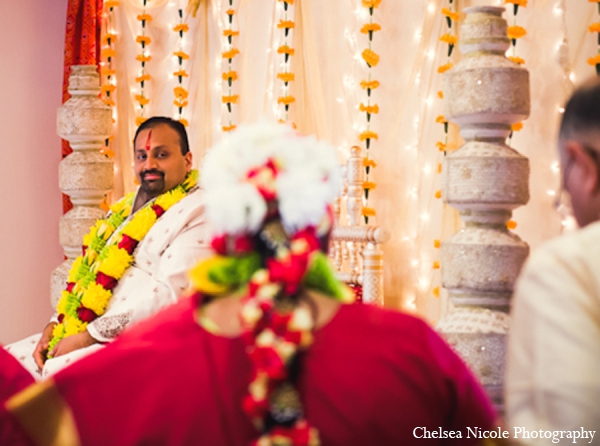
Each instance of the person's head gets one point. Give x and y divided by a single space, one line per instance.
579 147
162 157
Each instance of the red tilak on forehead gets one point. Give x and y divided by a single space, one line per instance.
148 140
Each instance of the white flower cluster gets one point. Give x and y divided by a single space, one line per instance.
309 178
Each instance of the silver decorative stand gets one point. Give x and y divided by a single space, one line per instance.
84 175
485 180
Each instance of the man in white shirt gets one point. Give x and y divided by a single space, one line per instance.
553 381
158 233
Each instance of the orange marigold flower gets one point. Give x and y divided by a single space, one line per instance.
368 212
109 36
369 84
139 121
143 100
450 14
594 27
143 39
511 224
286 100
107 71
517 60
230 12
108 88
436 265
284 49
143 57
369 108
286 24
516 32
289 2
180 103
182 55
232 99
439 168
180 92
370 27
107 52
184 121
369 185
229 75
144 17
594 1
436 291
440 119
143 77
449 39
228 128
516 126
285 77
368 134
107 152
445 67
230 54
438 194
371 3
440 94
109 101
111 3
369 163
437 243
522 3
441 146
596 59
230 32
370 57
181 73
181 27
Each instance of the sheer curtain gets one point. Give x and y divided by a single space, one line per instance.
328 70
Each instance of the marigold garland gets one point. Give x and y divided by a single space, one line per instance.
143 57
107 254
179 92
108 81
286 24
229 74
595 28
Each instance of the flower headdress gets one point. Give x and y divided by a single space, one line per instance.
268 196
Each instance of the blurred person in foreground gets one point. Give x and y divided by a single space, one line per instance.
552 380
269 349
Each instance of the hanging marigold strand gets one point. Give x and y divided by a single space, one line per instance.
180 93
371 59
595 28
229 74
286 24
143 57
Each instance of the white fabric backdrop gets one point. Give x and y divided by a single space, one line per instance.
328 71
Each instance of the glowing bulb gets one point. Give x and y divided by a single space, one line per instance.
429 101
555 167
425 216
340 100
561 110
557 10
431 8
431 54
551 193
572 76
418 34
427 169
414 262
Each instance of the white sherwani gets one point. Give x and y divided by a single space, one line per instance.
553 361
156 279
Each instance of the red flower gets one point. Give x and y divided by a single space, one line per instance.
60 318
70 286
159 211
223 244
85 314
279 323
299 434
288 272
243 245
267 360
128 244
83 249
107 282
219 244
254 408
309 235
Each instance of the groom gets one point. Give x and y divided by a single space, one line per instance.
135 261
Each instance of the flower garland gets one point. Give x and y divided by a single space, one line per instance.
105 259
229 53
286 24
181 94
143 57
595 28
515 33
277 193
371 59
229 75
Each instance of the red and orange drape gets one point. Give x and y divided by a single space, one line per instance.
82 47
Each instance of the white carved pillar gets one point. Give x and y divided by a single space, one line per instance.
84 175
485 180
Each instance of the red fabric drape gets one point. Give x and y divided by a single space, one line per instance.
82 47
